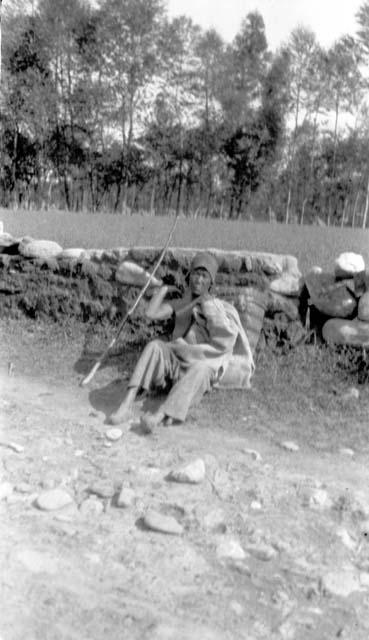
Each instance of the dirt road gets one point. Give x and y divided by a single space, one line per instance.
274 541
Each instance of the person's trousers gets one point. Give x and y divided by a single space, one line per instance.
158 366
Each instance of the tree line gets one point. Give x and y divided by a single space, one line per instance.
114 107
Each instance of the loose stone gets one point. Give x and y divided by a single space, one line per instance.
290 446
236 607
230 548
193 473
351 394
340 583
346 538
263 552
164 524
114 434
255 455
14 446
320 499
53 499
126 498
345 451
256 505
91 507
215 520
6 489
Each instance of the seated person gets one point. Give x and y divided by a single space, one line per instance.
200 355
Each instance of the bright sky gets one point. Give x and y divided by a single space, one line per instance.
329 19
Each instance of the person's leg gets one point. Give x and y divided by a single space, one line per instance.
156 364
190 388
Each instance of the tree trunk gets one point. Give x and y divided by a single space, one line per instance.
334 160
1 4
292 155
355 207
365 217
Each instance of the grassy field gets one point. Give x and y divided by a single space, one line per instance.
311 245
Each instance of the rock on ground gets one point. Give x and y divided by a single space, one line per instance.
230 548
164 524
39 249
193 473
53 499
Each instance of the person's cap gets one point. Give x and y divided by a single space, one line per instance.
204 260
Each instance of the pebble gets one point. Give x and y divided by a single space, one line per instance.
91 507
79 453
18 448
193 473
263 552
114 434
346 538
236 607
256 505
290 446
340 583
351 394
230 548
6 489
126 498
165 524
53 499
345 451
255 455
320 499
215 520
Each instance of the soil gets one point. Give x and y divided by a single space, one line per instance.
95 571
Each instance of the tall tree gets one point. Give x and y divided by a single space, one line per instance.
302 54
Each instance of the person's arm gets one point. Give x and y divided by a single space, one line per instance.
157 308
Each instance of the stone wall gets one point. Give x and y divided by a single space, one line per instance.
40 280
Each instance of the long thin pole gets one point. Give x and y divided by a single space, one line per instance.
99 362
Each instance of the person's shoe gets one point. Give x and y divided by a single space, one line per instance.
120 416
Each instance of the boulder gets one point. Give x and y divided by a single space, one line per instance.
131 273
363 308
347 332
332 298
8 244
289 284
72 254
39 249
348 264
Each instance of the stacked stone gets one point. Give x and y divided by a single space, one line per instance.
45 279
343 297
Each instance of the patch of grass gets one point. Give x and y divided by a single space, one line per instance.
297 396
311 245
300 396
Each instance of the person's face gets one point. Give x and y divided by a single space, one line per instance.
200 282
